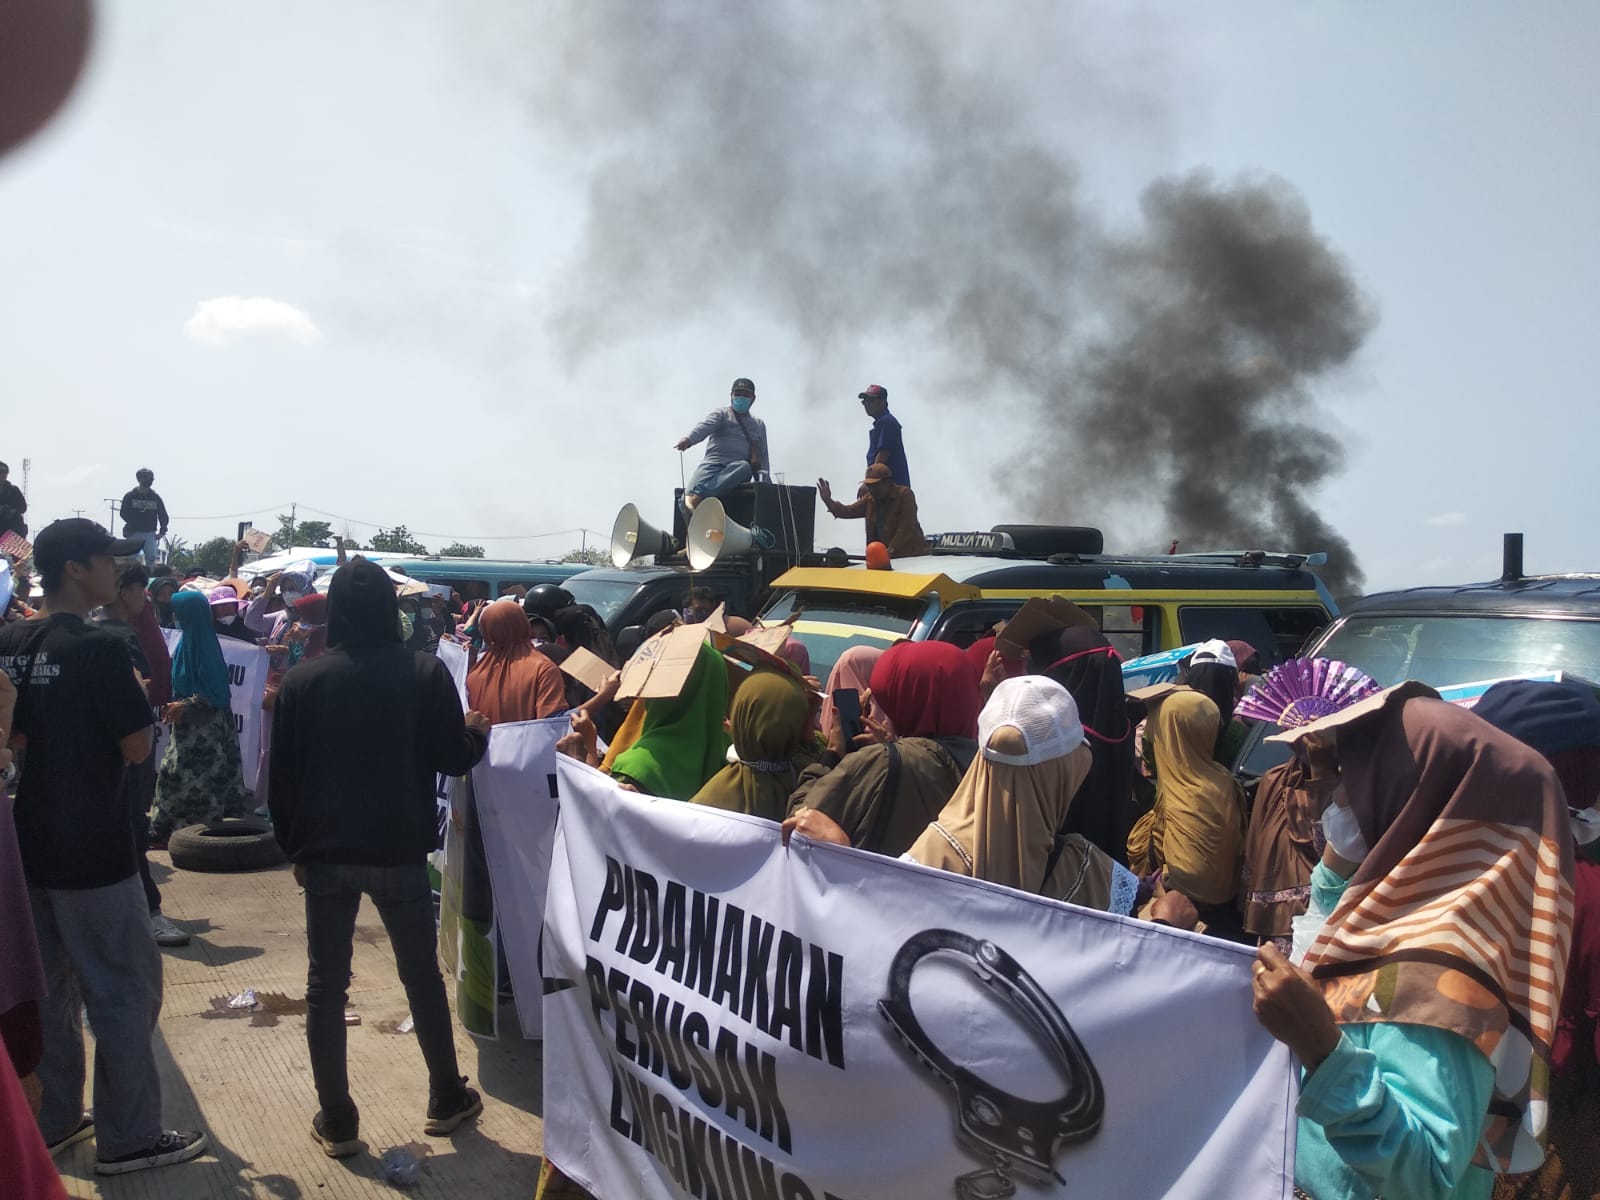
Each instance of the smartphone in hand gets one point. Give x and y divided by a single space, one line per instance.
847 704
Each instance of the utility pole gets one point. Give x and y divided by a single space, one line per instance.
293 508
27 463
113 502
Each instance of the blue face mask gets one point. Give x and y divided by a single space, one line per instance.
741 404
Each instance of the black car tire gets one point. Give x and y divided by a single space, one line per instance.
229 845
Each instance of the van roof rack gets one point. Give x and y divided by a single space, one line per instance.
1256 558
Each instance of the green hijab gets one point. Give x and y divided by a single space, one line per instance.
771 721
682 743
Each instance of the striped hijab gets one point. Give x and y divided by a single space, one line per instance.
1460 917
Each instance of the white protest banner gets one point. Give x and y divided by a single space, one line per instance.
454 657
515 789
726 1016
247 684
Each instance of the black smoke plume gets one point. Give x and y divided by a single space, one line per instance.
866 172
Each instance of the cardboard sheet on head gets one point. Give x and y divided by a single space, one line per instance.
1041 614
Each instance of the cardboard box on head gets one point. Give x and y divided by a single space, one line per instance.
1039 615
769 640
661 667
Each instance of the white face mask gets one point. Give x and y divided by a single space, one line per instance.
1340 827
1585 824
290 595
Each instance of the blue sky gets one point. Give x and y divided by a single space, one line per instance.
301 254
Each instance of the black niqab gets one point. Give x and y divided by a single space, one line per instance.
1081 660
362 608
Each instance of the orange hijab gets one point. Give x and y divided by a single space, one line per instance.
511 681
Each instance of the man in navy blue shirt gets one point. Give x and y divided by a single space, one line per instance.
885 445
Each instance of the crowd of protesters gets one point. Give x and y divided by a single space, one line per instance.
1445 1034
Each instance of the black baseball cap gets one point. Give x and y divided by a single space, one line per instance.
875 391
742 387
77 539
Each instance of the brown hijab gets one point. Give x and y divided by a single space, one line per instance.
1460 915
511 681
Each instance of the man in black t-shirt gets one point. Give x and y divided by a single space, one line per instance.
144 515
82 715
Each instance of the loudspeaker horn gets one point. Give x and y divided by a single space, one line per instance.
713 536
632 537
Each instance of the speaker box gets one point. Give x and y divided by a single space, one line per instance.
786 513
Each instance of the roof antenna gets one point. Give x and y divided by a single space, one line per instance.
1511 559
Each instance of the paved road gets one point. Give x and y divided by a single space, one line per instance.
245 1079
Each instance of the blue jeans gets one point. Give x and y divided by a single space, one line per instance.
405 902
717 479
151 547
99 956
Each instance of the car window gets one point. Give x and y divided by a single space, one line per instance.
606 596
1132 629
893 614
1277 633
825 643
964 623
1444 649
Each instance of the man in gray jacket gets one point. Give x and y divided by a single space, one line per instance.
736 447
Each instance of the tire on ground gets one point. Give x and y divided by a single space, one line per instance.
230 845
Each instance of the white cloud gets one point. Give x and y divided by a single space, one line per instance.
1449 518
226 319
79 474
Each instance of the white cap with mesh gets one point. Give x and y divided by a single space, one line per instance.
1044 713
1214 651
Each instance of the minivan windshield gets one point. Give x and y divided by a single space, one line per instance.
605 596
1442 650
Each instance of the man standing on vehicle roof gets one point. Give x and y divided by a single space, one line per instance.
736 451
144 515
885 445
890 511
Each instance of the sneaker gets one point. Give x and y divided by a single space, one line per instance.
167 934
170 1147
82 1131
447 1115
338 1139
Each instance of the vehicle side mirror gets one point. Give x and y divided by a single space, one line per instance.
629 638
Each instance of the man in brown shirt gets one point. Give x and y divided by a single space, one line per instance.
890 511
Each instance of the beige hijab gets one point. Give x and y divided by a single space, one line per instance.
1002 821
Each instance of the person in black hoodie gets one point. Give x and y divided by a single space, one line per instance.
358 737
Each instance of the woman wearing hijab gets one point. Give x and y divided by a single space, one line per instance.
1562 722
1425 1020
200 779
853 669
1081 660
884 795
511 681
681 741
1281 848
224 600
1194 836
993 668
771 720
1003 823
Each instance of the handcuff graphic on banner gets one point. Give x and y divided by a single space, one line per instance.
1010 1130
